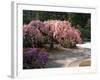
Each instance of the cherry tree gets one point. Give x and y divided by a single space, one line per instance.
38 33
32 35
61 32
67 35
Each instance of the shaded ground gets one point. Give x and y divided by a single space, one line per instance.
68 57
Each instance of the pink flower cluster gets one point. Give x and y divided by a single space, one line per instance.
58 30
63 32
32 34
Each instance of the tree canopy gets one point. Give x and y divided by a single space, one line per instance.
81 21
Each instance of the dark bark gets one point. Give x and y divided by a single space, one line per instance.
51 45
51 42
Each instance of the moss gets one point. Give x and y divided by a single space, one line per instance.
85 63
54 50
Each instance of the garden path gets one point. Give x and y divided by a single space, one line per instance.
68 57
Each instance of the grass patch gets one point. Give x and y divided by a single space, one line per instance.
85 63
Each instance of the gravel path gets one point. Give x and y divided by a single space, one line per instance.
68 58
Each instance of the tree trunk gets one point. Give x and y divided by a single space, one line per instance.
51 45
